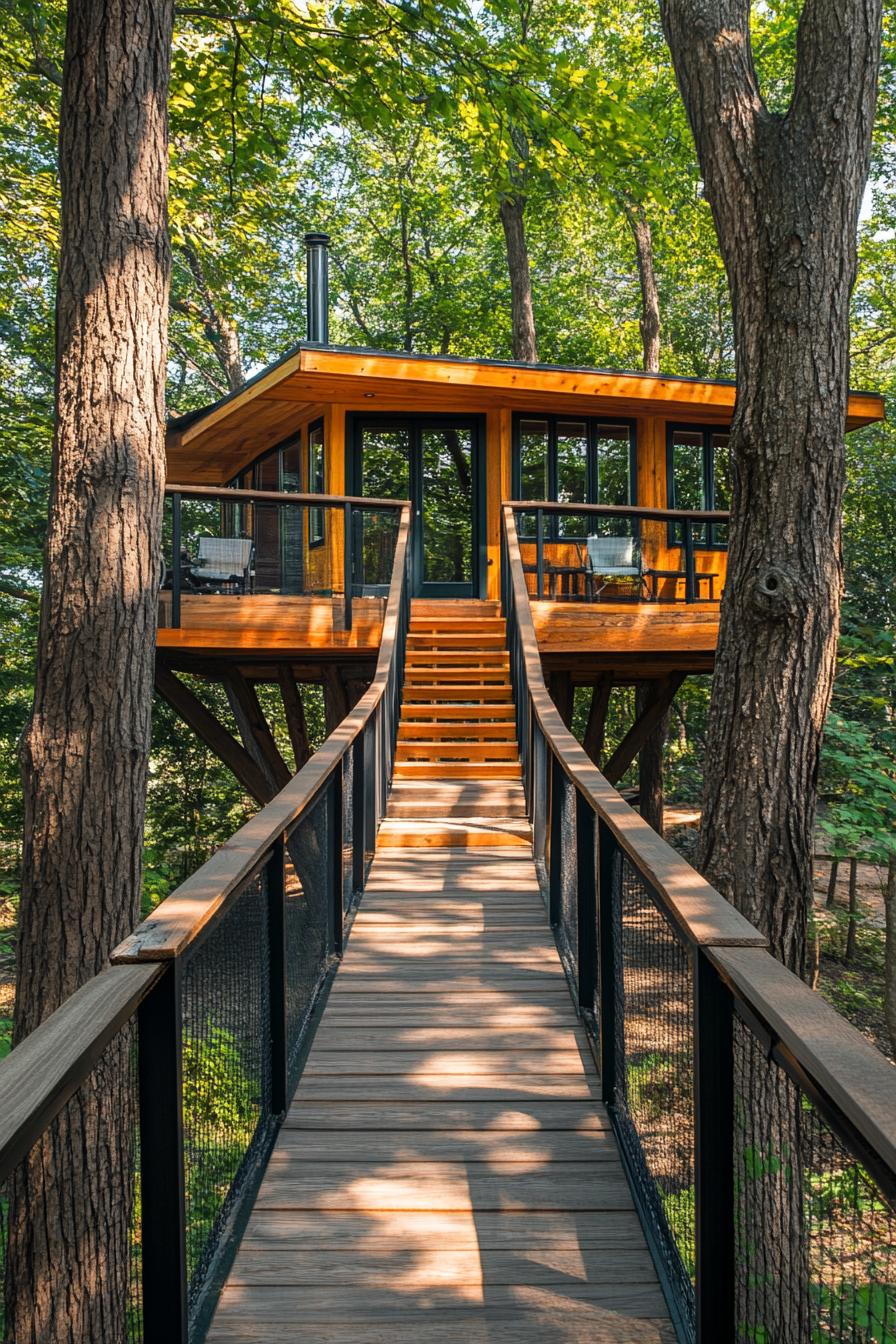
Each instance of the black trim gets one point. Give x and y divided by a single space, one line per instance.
673 531
317 527
357 421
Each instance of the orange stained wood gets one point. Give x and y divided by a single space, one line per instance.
260 623
215 444
626 627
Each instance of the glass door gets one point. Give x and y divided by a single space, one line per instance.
435 462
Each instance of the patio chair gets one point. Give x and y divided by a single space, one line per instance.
225 560
610 558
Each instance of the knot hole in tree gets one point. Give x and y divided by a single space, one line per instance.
775 591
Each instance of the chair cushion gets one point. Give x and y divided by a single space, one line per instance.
612 555
221 557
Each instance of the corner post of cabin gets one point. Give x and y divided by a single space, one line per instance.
690 577
347 562
163 1196
175 559
714 1156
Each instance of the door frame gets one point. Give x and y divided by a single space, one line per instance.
357 421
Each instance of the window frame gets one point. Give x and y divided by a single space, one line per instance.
594 424
317 527
712 541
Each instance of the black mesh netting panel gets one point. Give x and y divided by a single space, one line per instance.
226 1071
654 1100
815 1235
78 1190
569 923
307 921
348 812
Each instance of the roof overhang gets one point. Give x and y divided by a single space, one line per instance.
211 445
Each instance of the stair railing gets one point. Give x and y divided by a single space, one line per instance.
757 1126
189 1046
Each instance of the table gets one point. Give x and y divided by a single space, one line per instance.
652 575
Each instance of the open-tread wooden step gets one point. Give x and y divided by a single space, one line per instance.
472 641
468 751
457 770
457 658
479 732
421 692
503 713
457 624
447 833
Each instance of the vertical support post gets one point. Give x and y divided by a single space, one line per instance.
713 1152
347 563
335 859
607 955
275 888
175 560
162 1185
359 814
690 578
586 905
555 866
539 553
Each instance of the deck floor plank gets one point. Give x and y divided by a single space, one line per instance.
446 1170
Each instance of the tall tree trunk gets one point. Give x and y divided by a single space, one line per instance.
785 192
649 321
86 748
513 219
220 330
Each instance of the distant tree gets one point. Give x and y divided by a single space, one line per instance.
785 188
85 749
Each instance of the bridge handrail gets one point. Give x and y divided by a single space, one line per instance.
607 874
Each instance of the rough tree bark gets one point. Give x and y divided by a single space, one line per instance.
650 765
513 219
785 192
649 320
86 748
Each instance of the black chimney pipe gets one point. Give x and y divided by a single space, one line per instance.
317 294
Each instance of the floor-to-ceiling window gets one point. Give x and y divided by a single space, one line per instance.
573 460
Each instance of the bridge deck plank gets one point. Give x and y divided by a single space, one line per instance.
446 1169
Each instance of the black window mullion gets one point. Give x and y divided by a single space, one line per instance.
553 529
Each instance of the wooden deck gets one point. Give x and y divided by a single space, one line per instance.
446 1171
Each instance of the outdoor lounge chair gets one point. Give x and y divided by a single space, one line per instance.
224 560
610 558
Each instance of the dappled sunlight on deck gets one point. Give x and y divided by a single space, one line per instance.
446 1169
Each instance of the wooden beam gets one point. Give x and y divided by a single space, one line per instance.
335 697
213 733
294 709
563 696
650 764
597 717
661 696
254 729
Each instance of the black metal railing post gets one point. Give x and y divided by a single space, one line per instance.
275 889
175 560
555 863
335 861
713 1153
586 905
607 953
690 578
347 564
163 1234
539 792
539 553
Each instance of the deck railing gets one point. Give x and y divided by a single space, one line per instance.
181 1056
758 1128
554 541
267 542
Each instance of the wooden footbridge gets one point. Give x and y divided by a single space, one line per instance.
447 1044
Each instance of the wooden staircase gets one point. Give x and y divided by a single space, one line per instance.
457 778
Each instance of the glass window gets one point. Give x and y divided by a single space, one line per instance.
316 481
700 478
573 462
